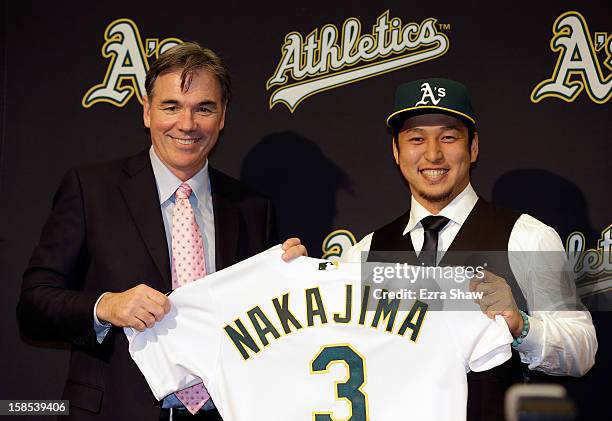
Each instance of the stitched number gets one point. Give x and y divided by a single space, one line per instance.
350 389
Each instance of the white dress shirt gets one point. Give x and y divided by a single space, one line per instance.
558 342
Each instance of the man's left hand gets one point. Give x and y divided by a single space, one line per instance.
293 248
497 299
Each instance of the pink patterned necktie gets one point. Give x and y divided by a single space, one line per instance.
187 265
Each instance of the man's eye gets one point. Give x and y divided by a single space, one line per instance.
170 108
449 138
415 139
205 110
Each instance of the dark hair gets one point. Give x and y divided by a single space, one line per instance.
189 57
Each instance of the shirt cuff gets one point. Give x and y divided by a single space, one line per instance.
100 328
531 349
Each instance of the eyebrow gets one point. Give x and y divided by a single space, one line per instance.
451 127
418 129
199 104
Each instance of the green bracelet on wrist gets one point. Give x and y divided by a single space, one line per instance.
517 341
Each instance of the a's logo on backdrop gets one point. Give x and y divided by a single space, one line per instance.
579 64
337 243
128 57
327 58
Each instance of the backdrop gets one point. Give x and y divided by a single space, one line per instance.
313 85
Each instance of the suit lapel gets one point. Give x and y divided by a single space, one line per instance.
227 221
140 194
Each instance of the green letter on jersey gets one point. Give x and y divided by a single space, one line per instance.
262 325
350 389
388 310
418 311
241 339
284 315
311 309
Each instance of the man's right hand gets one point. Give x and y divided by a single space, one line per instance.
139 307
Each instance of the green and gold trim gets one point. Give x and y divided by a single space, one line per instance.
430 107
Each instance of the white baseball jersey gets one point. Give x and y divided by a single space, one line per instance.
287 341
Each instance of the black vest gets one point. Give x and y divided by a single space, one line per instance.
487 229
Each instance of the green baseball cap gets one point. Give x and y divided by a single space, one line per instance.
434 95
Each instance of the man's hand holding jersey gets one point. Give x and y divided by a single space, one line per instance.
498 299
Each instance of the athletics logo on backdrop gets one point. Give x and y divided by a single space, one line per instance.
578 66
127 69
592 267
324 61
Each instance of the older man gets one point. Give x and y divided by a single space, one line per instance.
435 142
122 234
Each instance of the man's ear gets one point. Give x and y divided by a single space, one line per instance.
474 148
395 150
146 111
224 111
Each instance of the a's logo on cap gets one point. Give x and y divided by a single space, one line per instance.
429 94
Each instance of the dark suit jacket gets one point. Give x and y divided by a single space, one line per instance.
106 233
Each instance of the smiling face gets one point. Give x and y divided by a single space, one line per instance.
434 156
184 124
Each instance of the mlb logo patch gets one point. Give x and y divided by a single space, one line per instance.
331 265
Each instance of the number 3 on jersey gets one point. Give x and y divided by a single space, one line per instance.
351 388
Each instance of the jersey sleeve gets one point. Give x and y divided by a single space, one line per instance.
482 343
183 348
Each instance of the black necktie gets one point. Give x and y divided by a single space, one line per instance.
432 226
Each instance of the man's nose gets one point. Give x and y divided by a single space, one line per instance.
433 151
186 122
